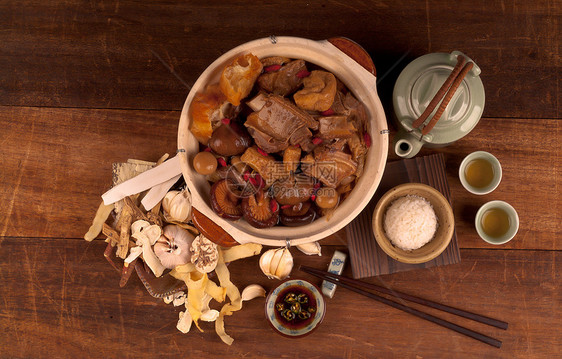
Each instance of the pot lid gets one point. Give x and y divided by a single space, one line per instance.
417 85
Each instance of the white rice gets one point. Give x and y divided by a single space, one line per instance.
410 222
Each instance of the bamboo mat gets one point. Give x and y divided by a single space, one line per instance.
367 258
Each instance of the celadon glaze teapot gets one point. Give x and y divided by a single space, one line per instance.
415 88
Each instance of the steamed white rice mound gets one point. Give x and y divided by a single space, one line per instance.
410 222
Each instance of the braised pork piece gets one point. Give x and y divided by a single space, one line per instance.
289 149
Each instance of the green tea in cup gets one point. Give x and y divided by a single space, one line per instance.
496 222
480 172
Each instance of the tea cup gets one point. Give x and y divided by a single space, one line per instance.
497 211
480 172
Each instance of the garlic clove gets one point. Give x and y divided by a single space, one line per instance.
252 291
276 263
276 260
177 206
310 249
166 201
265 261
181 206
285 265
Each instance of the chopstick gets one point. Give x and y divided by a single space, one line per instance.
463 313
353 285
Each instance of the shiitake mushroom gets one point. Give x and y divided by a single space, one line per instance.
259 210
224 200
230 139
298 215
293 190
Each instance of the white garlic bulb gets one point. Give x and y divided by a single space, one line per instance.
177 206
277 263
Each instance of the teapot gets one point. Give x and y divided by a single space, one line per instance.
415 88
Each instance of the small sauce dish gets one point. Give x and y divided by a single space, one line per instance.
295 308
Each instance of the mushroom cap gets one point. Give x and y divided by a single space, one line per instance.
298 215
258 211
224 201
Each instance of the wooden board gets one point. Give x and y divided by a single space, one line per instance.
60 298
367 258
56 163
122 55
68 65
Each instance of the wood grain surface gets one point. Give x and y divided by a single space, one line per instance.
60 300
87 84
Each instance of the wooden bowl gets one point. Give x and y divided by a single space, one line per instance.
445 220
363 85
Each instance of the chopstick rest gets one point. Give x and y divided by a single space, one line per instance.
336 267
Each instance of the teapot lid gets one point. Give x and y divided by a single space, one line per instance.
417 85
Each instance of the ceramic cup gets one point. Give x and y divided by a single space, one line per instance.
496 168
513 222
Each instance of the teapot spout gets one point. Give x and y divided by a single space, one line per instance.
406 145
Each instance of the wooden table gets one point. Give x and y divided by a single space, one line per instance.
86 84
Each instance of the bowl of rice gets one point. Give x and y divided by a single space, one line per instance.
413 223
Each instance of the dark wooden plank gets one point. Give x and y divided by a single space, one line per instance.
56 163
60 298
124 54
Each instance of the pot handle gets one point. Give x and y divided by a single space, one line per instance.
355 52
211 230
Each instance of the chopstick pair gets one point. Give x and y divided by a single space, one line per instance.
356 285
448 89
